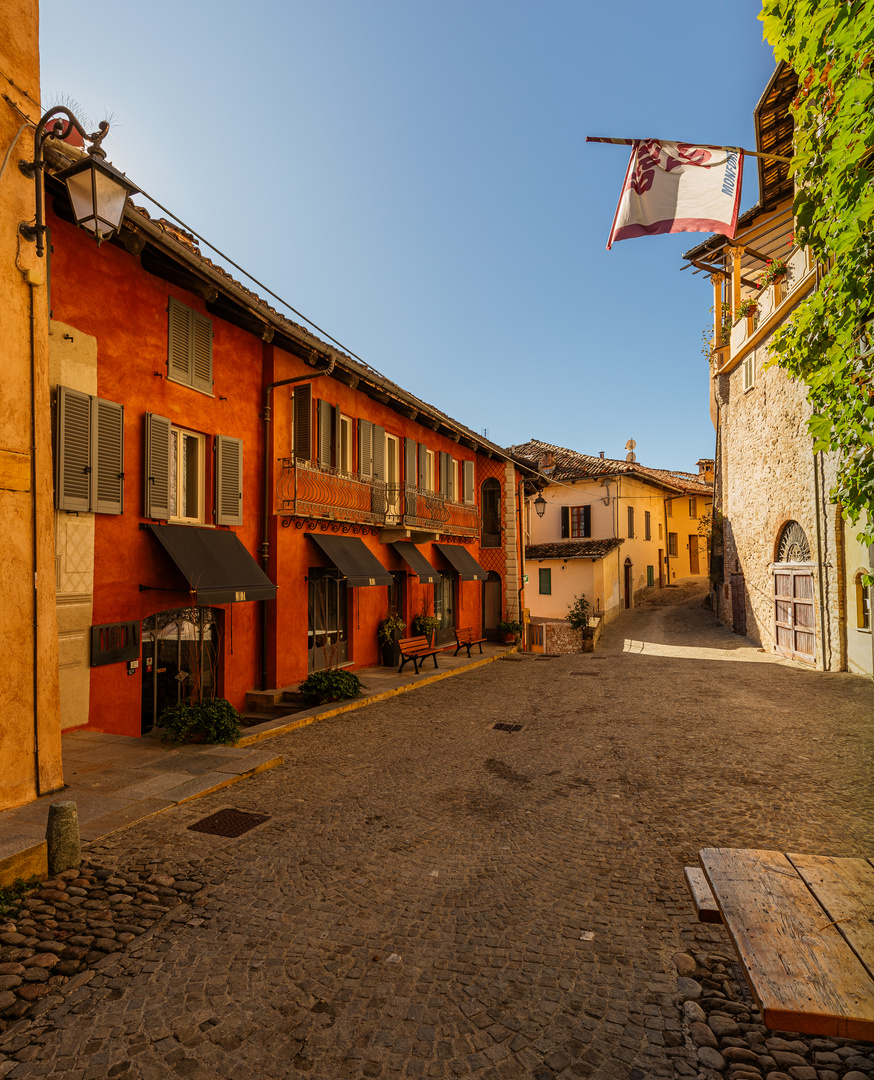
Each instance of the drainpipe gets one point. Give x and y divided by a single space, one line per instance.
34 555
265 498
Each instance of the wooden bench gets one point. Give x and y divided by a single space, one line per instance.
702 897
802 927
416 649
464 639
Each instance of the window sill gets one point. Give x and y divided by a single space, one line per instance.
188 386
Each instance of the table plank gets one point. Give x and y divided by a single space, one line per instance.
845 890
803 974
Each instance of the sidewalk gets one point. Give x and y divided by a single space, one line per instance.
116 779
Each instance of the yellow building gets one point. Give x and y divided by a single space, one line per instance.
607 529
30 737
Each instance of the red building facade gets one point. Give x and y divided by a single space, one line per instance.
200 440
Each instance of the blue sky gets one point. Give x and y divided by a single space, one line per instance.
414 178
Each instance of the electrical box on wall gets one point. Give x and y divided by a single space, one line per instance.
112 643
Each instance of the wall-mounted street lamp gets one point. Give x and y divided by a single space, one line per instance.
98 192
540 505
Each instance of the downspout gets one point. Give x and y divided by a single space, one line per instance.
819 557
521 504
33 530
265 498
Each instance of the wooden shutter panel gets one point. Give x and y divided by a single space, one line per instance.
378 452
179 348
157 467
468 482
107 478
587 521
445 465
335 421
228 480
365 447
410 471
565 522
324 439
423 467
303 406
201 352
73 450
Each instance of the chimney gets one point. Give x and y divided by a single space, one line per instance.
601 454
705 470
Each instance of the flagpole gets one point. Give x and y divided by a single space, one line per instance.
739 149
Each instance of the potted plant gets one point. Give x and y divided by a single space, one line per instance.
578 617
427 625
748 307
774 270
389 630
512 631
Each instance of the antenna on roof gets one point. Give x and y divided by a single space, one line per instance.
629 446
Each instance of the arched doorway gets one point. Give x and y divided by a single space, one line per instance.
794 599
180 661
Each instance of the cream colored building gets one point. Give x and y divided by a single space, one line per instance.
30 742
609 529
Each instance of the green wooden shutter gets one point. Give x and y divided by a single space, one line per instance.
325 441
107 477
73 450
423 467
228 480
565 522
179 348
303 411
157 467
365 448
468 482
201 353
379 452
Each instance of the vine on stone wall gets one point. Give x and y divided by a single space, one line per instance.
827 342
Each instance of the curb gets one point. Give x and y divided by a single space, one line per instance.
295 725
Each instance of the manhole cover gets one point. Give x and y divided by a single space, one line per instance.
229 823
507 727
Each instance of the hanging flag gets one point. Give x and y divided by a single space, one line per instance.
677 187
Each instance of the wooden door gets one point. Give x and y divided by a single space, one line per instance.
794 615
491 606
693 555
629 583
738 604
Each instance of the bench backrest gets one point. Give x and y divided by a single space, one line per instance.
463 633
407 643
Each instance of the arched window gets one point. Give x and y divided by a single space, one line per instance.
491 511
792 546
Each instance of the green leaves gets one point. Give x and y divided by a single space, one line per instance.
830 44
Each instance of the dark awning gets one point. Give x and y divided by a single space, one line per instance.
466 565
416 561
354 560
216 565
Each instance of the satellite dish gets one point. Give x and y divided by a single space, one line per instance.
630 445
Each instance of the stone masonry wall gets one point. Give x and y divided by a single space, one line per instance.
766 478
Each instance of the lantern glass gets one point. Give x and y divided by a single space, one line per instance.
540 505
98 194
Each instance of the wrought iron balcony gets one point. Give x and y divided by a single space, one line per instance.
308 489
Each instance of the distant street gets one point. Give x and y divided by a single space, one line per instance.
433 897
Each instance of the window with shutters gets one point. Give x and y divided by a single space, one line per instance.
544 577
630 522
187 481
89 453
467 482
672 544
345 462
749 372
455 480
693 508
580 521
189 353
647 526
302 413
429 470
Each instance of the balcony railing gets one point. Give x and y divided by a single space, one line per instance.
308 489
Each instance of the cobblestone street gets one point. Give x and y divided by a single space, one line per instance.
432 897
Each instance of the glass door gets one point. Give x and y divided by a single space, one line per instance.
445 592
180 658
327 632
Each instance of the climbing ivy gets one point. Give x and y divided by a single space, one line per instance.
830 45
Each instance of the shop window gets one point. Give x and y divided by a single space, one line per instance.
544 575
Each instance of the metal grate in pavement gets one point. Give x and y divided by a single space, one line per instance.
508 727
229 823
587 673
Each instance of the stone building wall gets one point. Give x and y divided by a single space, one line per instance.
768 476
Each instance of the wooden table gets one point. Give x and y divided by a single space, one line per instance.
803 928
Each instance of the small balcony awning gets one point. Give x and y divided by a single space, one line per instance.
416 561
466 565
218 569
354 560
